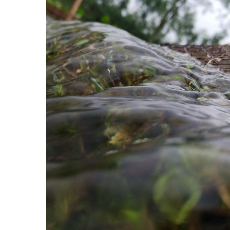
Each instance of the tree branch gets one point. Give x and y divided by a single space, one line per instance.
163 22
73 10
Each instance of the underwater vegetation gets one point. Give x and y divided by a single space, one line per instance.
138 135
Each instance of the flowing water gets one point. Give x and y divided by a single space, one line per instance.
138 136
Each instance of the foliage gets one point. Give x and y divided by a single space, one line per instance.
152 23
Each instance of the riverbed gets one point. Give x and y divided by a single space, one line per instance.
138 135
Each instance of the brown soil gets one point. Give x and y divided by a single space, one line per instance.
211 55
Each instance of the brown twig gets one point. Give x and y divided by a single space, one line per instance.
73 10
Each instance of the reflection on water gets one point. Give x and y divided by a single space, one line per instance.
138 136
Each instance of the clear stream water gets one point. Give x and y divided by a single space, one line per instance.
138 136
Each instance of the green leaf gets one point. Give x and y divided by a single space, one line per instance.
80 12
176 193
132 216
189 66
202 98
96 85
56 89
105 19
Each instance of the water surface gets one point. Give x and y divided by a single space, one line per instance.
138 136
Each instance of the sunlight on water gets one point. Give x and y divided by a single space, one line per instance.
138 136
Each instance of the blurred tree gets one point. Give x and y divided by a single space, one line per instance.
152 21
177 16
174 15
